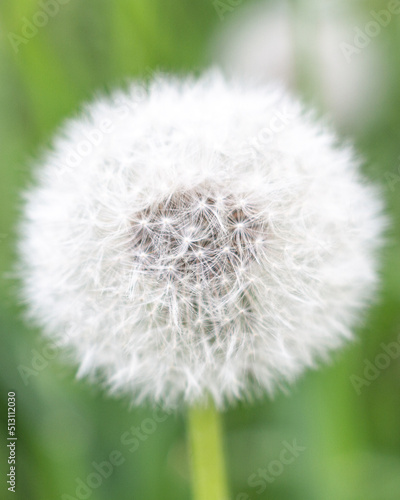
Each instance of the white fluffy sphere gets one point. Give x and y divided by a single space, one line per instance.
181 244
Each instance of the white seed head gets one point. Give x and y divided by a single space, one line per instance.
180 258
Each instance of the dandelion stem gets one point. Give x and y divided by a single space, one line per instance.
208 468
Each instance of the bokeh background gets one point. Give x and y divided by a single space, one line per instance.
49 65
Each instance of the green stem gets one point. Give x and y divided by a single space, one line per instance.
208 468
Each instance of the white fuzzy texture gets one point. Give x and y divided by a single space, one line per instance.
180 258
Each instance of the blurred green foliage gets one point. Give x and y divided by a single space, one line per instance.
351 441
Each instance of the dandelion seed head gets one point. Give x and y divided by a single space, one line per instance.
178 259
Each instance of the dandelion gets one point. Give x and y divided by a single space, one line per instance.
182 262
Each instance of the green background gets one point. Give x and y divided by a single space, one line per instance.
351 441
